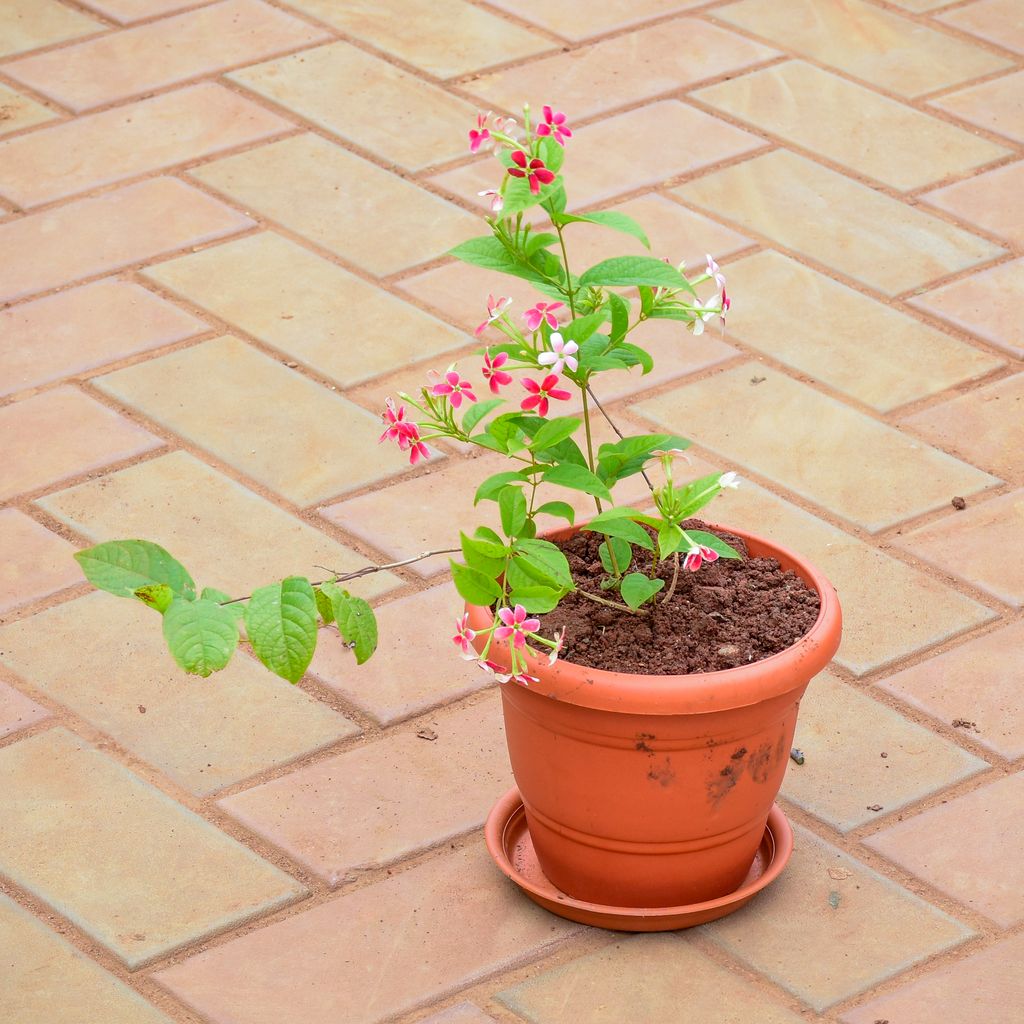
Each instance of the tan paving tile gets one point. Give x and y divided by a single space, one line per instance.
974 545
984 873
66 802
873 44
835 118
988 200
137 60
17 712
563 16
919 6
414 670
107 661
997 21
859 753
365 215
99 235
984 426
80 329
825 939
832 455
986 304
647 978
340 948
442 37
947 687
817 326
997 105
17 111
133 139
29 24
46 978
623 69
462 1013
127 11
379 803
983 987
889 609
619 154
399 117
33 561
228 537
865 234
212 392
62 433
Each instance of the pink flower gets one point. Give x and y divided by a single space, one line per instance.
495 307
480 134
493 374
542 311
726 303
524 678
505 124
497 199
463 637
398 428
492 668
562 354
715 271
533 170
697 555
417 449
557 649
455 388
516 626
555 126
540 393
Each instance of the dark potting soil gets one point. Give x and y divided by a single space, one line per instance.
728 613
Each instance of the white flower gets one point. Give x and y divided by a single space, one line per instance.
562 354
729 479
704 311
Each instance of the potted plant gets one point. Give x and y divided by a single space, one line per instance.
651 665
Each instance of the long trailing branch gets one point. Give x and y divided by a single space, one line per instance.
622 436
610 604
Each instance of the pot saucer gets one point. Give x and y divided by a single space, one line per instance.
510 846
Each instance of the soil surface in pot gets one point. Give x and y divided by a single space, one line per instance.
728 613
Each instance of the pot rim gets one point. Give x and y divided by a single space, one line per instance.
699 692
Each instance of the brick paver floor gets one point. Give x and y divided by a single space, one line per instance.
222 238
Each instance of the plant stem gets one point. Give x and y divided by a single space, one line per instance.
568 276
675 579
610 604
612 424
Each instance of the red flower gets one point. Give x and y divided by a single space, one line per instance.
493 374
555 126
533 170
540 393
480 134
698 555
455 388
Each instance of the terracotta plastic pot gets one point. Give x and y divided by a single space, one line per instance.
653 791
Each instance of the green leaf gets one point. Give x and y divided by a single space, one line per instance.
634 355
646 299
201 635
488 252
473 585
554 431
483 555
629 271
636 589
629 455
493 485
709 540
538 240
562 509
122 567
695 495
156 595
507 430
281 622
579 479
619 308
536 599
237 608
610 219
669 537
356 622
324 606
623 555
624 528
475 413
580 329
512 503
544 561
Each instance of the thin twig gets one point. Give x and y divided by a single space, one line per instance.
614 426
675 579
610 604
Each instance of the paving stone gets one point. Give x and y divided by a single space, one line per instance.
414 670
997 105
376 804
462 1013
107 661
988 200
133 139
352 208
986 304
920 6
624 69
822 328
210 393
844 734
132 849
647 978
844 122
997 21
563 16
123 64
228 537
17 712
978 683
400 118
62 433
878 46
825 938
17 111
127 11
80 329
29 24
967 848
105 233
984 426
833 455
974 545
985 987
47 979
860 232
604 159
339 948
442 37
33 561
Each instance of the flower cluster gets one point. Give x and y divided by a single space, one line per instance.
514 627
